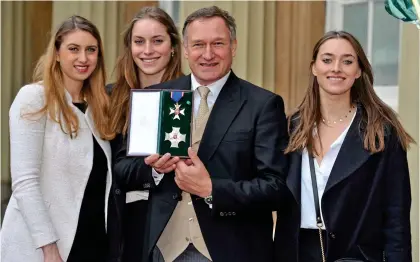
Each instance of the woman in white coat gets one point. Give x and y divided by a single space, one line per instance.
60 156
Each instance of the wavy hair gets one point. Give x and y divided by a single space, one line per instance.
48 71
377 116
127 73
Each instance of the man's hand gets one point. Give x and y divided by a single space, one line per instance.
193 178
164 164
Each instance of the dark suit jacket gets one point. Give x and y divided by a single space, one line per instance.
242 148
365 205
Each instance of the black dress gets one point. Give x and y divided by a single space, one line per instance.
90 242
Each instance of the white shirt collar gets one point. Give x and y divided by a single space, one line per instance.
215 87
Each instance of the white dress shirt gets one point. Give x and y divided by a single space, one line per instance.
215 89
322 172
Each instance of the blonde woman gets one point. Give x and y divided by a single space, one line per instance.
60 156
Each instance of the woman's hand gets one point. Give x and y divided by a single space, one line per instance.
51 253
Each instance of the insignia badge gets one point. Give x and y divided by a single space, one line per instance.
174 137
177 111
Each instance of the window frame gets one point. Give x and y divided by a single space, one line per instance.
334 21
170 8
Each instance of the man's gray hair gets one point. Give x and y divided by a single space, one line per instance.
209 12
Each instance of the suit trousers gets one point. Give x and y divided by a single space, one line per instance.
191 254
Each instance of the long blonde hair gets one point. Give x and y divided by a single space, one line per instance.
48 72
376 115
127 73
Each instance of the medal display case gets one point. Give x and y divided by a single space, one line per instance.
160 122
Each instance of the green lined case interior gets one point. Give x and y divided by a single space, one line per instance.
169 122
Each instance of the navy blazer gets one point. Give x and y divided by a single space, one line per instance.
365 205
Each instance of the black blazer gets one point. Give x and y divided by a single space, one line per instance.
129 174
365 205
242 149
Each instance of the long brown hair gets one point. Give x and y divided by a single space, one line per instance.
376 115
127 73
48 72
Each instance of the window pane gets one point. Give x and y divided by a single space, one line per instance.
388 94
172 8
385 47
355 21
175 14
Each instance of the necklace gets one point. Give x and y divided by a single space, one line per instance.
328 122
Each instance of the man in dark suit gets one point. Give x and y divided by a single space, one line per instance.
217 206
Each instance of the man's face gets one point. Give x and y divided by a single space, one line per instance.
209 49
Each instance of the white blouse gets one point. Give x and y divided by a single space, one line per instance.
308 214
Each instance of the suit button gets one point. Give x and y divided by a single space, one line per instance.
332 235
146 185
117 191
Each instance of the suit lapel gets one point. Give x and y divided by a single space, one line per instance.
294 176
226 107
352 154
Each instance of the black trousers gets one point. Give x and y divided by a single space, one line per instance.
134 226
310 246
